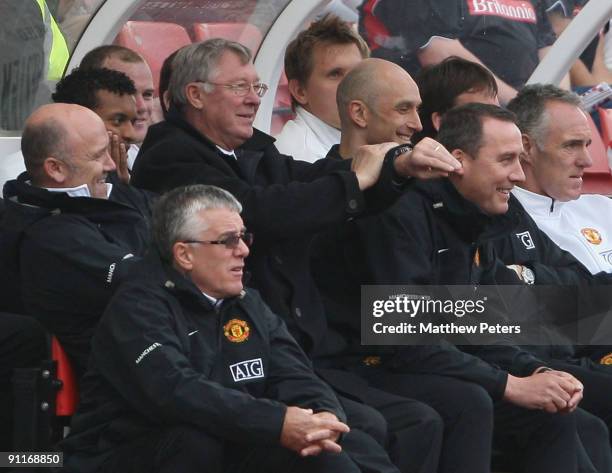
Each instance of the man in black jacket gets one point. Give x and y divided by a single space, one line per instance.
190 372
208 138
67 235
431 236
524 247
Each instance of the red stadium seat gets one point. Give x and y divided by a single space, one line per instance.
67 395
597 178
161 40
44 399
605 118
244 33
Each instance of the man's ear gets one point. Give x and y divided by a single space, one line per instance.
529 147
183 256
462 157
298 92
195 95
56 170
359 113
436 119
465 161
459 155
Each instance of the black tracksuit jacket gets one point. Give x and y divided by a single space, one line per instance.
429 236
62 256
164 356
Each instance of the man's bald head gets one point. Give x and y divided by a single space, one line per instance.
378 101
370 80
51 130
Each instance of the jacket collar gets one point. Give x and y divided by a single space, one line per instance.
20 191
180 285
537 204
334 152
258 142
465 217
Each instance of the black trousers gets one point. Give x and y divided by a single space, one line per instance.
535 440
23 344
410 430
597 381
186 449
464 410
538 441
594 454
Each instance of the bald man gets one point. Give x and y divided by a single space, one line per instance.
386 107
68 235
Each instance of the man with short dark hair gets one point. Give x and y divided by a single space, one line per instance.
69 236
315 63
133 65
112 95
450 83
191 372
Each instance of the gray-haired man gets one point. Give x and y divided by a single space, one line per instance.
556 137
190 372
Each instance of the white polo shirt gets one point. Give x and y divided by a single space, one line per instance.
307 137
582 227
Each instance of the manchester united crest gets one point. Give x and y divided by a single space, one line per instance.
606 360
236 330
592 235
371 360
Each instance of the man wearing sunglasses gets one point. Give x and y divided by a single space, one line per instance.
191 372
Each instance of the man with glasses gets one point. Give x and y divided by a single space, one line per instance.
208 137
191 372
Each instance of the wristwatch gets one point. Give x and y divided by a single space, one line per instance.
524 273
527 275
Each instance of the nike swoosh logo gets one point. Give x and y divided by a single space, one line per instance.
442 250
191 333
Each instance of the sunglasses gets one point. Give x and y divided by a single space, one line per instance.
230 242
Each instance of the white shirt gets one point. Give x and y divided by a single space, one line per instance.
582 227
227 152
212 300
78 191
307 138
132 152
